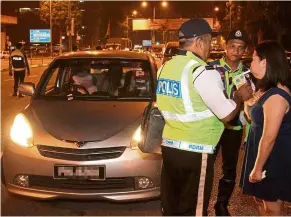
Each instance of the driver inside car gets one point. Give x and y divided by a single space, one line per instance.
85 80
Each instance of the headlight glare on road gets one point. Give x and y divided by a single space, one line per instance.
136 138
21 132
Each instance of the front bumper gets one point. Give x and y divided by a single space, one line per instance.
116 196
131 164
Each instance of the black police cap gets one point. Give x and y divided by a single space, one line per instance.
195 27
238 34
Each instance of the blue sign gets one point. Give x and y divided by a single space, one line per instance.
40 36
169 88
146 43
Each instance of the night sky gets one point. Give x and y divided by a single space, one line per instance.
116 11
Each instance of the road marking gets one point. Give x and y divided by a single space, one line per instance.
32 76
11 79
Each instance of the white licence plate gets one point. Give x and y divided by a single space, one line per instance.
79 172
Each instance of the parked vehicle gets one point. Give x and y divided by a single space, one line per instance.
118 44
78 138
157 50
170 51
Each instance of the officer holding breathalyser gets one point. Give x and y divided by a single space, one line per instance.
233 74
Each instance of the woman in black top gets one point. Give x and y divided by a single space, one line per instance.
266 172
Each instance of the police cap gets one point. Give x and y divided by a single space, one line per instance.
238 34
194 28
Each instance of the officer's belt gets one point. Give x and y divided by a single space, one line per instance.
193 147
18 69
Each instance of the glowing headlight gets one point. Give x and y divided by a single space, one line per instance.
21 132
136 138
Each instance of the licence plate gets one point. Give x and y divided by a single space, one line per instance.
79 172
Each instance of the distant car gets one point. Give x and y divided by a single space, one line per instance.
246 60
215 55
171 50
78 138
157 51
5 54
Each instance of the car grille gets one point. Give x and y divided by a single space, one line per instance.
109 183
80 154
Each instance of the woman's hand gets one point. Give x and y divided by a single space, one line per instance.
256 96
256 175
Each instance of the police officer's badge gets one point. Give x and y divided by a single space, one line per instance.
238 33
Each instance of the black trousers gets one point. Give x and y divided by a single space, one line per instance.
186 182
18 79
229 143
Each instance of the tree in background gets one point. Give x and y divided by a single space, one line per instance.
261 19
60 18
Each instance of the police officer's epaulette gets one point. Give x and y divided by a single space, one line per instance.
209 67
212 63
245 68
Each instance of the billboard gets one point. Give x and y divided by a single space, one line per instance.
163 24
40 35
147 43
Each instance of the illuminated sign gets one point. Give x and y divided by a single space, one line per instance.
164 24
40 36
146 43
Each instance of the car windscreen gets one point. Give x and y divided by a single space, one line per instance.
171 51
87 78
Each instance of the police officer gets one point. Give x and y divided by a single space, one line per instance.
18 62
230 66
190 96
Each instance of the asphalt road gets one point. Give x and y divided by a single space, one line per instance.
16 205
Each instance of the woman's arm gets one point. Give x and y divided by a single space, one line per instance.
273 116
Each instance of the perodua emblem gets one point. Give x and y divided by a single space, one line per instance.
80 144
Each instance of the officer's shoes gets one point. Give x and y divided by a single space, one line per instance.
221 209
14 94
20 96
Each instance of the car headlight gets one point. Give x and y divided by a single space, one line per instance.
136 138
21 132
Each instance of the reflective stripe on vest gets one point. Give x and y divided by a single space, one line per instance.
194 147
18 60
190 115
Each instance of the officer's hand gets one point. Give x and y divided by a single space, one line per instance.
245 92
10 73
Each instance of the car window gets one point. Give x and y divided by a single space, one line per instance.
52 81
89 78
171 51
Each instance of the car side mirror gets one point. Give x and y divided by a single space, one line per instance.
26 88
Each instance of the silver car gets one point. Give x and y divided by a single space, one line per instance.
78 136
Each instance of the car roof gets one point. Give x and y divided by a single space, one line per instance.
105 54
173 44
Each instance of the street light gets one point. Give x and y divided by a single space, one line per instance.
216 9
51 28
144 4
127 23
164 4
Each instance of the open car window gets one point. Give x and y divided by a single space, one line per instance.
94 78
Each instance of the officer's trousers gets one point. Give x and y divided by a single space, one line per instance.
229 143
186 182
18 79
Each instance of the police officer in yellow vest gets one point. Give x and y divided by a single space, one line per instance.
229 67
18 63
190 96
